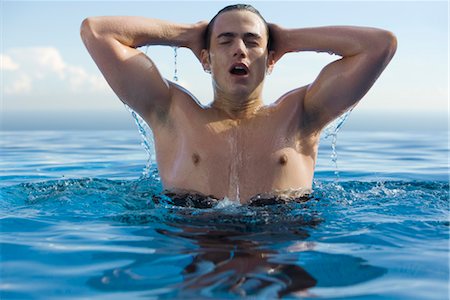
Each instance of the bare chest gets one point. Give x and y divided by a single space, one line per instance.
235 162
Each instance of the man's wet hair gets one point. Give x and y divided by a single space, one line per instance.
245 7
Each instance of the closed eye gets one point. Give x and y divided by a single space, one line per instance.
252 39
225 37
252 43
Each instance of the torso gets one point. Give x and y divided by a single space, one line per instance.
199 150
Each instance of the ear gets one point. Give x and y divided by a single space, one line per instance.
204 59
270 61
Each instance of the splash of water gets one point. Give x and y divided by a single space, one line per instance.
147 141
143 128
331 131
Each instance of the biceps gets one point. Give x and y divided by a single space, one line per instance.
341 85
133 77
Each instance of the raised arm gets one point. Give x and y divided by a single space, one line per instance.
112 43
340 85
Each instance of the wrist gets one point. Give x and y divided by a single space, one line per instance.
280 39
182 35
289 41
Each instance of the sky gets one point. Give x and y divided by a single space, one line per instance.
49 81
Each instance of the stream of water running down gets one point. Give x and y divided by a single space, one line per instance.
331 131
78 223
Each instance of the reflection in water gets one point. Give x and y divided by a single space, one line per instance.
220 254
230 262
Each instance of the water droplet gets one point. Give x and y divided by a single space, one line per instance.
147 141
332 131
175 66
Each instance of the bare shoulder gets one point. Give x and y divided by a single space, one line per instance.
293 98
290 107
183 107
184 103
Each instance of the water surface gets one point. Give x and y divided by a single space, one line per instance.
79 221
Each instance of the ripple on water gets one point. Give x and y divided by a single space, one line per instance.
109 236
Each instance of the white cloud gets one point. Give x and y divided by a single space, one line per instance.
78 78
22 85
45 65
7 63
49 59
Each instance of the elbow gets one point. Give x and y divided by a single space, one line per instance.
381 46
387 44
391 44
87 30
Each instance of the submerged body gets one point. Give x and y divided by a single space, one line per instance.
236 148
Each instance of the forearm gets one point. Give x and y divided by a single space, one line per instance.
341 40
138 31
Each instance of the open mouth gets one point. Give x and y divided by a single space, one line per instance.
239 69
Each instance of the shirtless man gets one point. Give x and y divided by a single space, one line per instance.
237 147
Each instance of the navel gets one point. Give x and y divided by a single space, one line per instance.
283 160
195 158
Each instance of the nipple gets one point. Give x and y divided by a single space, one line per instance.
195 158
283 160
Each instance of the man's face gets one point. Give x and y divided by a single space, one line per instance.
238 54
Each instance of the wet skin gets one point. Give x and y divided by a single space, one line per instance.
239 152
203 151
237 147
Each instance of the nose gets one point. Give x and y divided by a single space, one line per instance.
240 50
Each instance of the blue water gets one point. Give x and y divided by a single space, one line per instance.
78 222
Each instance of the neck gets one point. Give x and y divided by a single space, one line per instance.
238 108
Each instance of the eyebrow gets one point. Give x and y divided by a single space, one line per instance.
246 35
226 35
